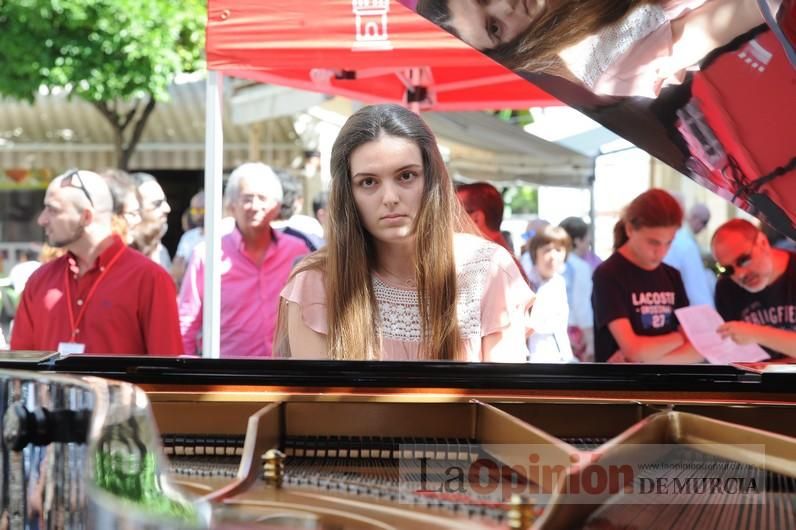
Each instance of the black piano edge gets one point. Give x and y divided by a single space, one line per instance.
430 375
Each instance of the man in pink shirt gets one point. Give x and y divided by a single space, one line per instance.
255 264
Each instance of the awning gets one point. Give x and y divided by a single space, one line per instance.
477 145
56 132
482 147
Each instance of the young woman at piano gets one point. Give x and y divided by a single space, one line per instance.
402 276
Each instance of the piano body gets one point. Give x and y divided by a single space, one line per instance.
104 443
365 445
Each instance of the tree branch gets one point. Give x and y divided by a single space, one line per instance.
129 116
106 111
138 131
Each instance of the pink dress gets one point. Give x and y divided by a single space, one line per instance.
634 56
492 296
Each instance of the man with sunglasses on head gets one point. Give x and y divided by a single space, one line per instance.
756 291
99 297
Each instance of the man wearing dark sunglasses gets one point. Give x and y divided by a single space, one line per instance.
756 291
100 296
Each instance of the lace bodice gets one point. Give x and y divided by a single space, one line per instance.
492 297
589 59
399 310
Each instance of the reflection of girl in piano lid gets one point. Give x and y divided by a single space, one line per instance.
612 47
402 277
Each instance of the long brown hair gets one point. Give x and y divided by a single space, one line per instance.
350 253
536 49
654 208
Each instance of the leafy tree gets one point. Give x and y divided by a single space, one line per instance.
119 55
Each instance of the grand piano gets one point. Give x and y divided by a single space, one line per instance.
142 442
138 441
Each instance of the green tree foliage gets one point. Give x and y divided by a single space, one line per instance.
523 200
520 118
119 55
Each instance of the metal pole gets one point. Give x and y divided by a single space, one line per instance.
214 142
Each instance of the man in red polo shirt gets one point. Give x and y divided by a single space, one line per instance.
100 297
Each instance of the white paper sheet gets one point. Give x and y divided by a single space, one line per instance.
699 322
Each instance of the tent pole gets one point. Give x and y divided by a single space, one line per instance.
214 141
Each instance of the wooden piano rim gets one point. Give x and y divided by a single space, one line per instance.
160 392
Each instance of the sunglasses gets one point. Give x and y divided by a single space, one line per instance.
72 180
196 212
727 271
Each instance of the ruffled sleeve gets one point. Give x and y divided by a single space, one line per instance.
506 297
649 65
307 289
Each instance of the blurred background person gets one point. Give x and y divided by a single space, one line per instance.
698 218
320 209
194 233
27 263
549 342
8 299
484 204
532 228
290 220
684 255
578 273
126 203
154 220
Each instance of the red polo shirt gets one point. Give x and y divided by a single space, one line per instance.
128 304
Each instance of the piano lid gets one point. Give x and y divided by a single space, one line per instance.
707 86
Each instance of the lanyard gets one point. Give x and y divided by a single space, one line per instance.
75 323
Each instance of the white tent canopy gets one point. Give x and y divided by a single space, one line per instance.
477 145
481 146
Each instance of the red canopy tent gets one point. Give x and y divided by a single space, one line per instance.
368 50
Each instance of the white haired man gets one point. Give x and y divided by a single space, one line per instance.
257 261
99 297
698 218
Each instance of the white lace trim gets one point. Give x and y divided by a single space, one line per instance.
590 58
399 311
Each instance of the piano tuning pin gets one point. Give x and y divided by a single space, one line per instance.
521 513
274 467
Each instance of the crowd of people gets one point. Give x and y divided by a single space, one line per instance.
406 266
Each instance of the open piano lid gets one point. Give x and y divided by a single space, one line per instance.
721 110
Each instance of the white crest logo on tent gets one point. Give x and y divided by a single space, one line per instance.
371 25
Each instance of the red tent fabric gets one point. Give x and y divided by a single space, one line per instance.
369 50
747 97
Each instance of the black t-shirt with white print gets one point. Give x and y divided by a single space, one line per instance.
773 306
647 298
